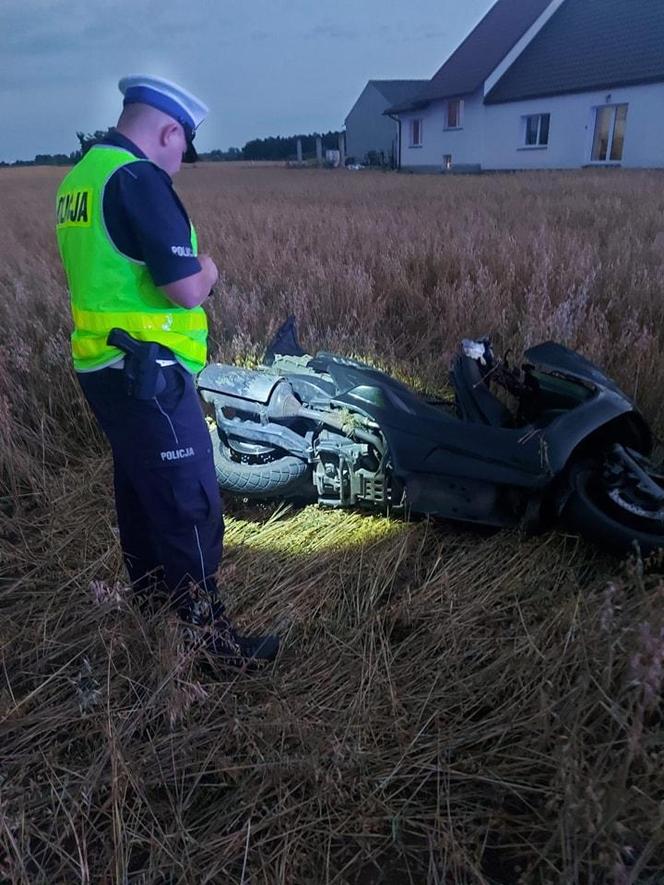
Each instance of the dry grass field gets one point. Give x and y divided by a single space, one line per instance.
449 706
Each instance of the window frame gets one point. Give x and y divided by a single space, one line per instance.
446 114
613 107
538 145
411 130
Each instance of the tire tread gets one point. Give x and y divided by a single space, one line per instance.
270 479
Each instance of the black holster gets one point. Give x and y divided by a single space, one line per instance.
143 375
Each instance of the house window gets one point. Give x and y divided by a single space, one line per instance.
609 133
447 161
537 130
415 133
453 110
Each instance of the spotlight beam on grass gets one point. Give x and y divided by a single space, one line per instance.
310 531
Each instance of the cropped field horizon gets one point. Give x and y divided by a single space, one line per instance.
450 706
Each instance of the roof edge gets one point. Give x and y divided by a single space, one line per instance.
411 106
357 100
599 87
521 44
399 80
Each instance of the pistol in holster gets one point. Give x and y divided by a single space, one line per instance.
143 375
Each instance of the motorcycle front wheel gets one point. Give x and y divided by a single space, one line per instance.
256 476
612 509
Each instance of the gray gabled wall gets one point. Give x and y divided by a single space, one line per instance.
367 129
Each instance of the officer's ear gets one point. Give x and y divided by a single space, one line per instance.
169 132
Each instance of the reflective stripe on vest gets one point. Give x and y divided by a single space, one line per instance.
108 289
88 349
100 321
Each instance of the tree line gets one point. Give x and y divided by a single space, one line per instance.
274 148
285 148
85 142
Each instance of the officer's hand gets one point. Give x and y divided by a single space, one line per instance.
209 268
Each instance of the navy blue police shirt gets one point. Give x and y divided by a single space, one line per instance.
145 218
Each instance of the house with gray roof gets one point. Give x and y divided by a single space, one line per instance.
544 84
368 129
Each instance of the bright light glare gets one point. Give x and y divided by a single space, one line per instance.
310 531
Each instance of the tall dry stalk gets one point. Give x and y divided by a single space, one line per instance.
449 706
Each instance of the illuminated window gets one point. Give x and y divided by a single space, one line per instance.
609 134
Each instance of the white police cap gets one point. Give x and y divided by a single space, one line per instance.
166 96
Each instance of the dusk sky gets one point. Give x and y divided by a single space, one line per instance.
270 67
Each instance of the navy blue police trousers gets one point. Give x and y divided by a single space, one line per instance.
167 499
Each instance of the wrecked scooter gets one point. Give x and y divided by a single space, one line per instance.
572 447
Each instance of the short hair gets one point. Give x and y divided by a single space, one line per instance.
132 112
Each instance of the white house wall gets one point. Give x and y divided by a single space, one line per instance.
465 145
572 128
493 135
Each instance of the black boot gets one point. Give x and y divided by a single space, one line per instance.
217 635
225 643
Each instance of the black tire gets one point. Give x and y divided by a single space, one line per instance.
256 480
591 513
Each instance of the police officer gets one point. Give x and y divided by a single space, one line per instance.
137 283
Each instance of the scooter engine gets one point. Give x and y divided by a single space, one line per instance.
348 473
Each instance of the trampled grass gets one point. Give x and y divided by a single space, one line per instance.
449 706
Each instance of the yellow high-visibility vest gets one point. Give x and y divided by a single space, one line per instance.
108 289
